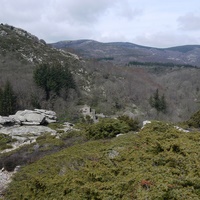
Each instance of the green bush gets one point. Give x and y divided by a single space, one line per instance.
55 126
194 120
48 142
5 141
70 134
133 123
106 128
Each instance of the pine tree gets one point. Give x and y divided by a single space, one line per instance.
7 100
157 102
53 78
163 104
1 101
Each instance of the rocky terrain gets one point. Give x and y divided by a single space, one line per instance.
23 129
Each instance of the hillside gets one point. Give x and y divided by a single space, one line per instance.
20 54
141 70
108 87
159 162
85 160
124 52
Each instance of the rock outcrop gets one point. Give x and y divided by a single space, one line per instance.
25 126
24 135
29 117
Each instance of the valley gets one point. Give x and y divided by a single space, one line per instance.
50 149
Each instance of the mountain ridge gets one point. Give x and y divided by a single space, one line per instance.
125 52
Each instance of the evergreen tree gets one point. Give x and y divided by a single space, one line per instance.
7 100
53 78
163 104
157 102
1 101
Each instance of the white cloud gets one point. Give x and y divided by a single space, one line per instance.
144 22
165 39
189 22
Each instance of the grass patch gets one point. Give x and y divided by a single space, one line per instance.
5 141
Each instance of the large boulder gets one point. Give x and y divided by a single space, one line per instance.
28 117
34 117
50 116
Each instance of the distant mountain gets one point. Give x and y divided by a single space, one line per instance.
125 52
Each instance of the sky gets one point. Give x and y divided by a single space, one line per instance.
154 23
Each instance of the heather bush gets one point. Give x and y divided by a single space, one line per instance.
133 123
159 162
106 128
5 141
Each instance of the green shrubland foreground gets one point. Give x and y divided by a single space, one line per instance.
158 162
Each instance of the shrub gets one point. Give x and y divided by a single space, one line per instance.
49 142
106 128
55 126
132 123
10 163
4 141
194 120
70 134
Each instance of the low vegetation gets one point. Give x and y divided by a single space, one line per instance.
154 64
194 120
107 128
45 144
158 162
5 141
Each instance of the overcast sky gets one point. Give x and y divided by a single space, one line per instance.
155 23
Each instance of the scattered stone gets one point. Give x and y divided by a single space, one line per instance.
119 135
181 129
68 127
113 153
144 123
